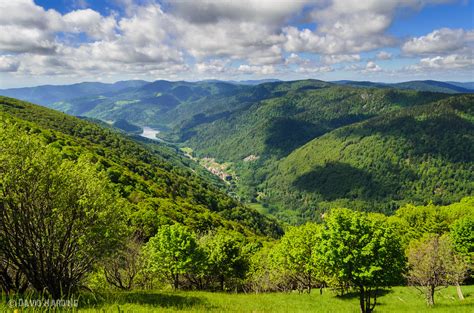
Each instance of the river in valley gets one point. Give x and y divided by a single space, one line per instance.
150 133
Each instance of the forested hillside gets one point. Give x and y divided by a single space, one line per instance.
293 114
418 154
160 185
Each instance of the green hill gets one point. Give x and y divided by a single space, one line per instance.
291 115
127 127
418 154
159 183
150 105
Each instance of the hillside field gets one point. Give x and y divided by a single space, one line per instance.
398 299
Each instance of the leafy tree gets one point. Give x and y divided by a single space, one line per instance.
296 255
362 252
225 256
462 234
173 251
262 275
434 264
57 217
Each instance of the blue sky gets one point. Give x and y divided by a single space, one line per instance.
62 42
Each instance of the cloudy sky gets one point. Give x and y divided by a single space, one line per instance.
61 42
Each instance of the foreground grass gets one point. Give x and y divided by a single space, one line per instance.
399 299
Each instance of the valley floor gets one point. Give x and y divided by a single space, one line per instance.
399 299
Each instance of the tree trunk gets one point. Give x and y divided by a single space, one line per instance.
459 291
430 295
362 299
176 281
367 301
309 284
222 282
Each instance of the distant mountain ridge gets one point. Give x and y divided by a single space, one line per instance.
48 94
420 85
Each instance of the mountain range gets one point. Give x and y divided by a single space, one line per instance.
296 149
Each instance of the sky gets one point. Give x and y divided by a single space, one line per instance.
64 42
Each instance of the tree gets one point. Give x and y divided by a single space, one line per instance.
225 256
434 264
122 267
296 255
172 252
57 217
462 235
361 251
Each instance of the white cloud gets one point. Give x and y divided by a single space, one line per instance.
350 26
383 55
258 70
256 11
444 40
8 63
314 69
215 66
91 23
294 58
309 41
449 62
372 67
340 58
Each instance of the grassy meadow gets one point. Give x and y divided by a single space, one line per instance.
398 299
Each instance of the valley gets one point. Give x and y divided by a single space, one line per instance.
259 139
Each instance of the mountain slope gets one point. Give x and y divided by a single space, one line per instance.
160 185
275 126
417 154
149 105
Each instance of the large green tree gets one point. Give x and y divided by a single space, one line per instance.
57 217
361 251
173 251
296 255
462 235
225 256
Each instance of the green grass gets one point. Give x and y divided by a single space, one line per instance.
399 299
